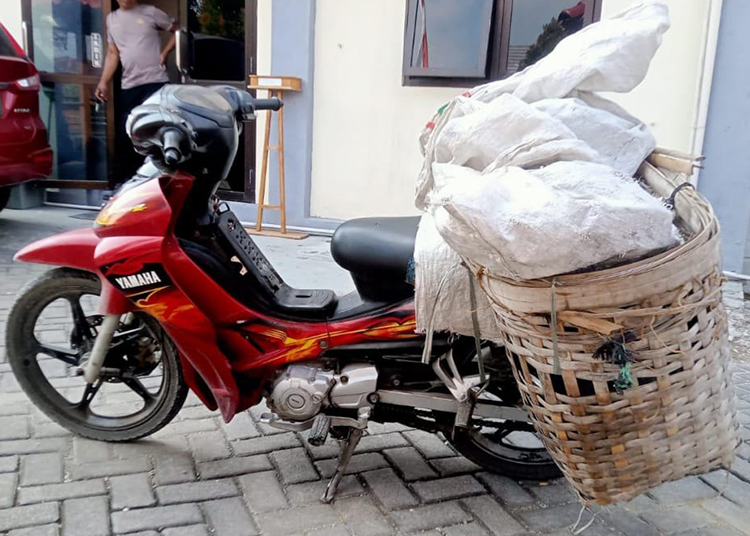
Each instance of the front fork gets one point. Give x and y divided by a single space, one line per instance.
93 366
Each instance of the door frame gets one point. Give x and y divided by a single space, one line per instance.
251 49
84 80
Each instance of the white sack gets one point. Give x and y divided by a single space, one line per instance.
620 140
561 218
611 55
435 261
508 132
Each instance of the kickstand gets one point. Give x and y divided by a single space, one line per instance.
347 449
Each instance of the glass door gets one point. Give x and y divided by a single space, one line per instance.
66 40
217 45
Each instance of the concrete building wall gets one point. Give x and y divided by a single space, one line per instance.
366 124
726 177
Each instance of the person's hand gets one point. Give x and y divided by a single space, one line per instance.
163 59
102 91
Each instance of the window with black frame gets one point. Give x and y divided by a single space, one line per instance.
468 42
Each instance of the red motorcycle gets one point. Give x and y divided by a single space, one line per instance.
168 293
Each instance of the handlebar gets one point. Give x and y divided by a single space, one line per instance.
171 142
273 104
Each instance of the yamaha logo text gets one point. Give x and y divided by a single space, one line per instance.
144 279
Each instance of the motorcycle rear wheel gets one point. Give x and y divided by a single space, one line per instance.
149 381
514 461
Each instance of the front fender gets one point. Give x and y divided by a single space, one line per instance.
75 249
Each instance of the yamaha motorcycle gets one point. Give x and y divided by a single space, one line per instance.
168 293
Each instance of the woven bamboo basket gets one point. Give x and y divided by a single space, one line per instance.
678 415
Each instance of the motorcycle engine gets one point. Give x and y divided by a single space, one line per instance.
301 391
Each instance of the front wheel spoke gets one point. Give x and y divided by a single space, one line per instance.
66 356
88 394
80 319
138 388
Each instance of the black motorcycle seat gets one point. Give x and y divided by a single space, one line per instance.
376 248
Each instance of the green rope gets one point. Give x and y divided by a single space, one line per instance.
618 353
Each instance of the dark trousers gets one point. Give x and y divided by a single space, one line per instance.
127 161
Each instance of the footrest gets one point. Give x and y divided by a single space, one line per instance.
319 431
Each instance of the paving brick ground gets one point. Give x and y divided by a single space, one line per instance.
200 476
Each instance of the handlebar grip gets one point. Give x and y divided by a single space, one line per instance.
171 142
172 156
273 104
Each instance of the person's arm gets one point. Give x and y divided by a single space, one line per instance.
169 47
164 22
111 62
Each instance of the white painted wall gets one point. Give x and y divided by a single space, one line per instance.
365 151
669 99
10 16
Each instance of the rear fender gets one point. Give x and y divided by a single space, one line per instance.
75 249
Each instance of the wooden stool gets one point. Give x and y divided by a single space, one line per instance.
275 85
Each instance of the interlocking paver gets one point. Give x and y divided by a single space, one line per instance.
430 445
131 491
229 517
58 492
196 491
83 471
39 530
429 517
454 466
448 488
32 446
8 484
156 518
89 517
270 481
263 492
209 446
682 491
241 427
492 515
679 519
174 470
294 466
627 522
410 463
311 492
192 530
552 494
262 445
358 464
389 489
467 529
363 518
28 516
507 490
234 466
302 518
13 427
41 469
8 464
730 487
727 512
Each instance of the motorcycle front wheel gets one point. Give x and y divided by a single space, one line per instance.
50 332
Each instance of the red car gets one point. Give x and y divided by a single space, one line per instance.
25 153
